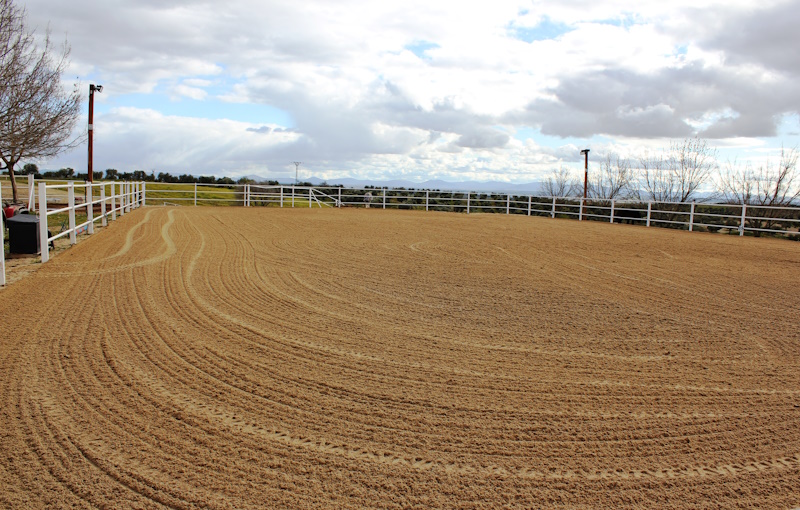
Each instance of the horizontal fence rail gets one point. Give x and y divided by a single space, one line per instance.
70 201
693 216
114 198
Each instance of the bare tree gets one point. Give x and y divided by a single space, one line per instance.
613 180
676 176
37 115
560 183
772 185
768 184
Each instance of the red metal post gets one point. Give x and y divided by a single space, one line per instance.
91 130
585 152
92 89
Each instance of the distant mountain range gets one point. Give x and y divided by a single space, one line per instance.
493 186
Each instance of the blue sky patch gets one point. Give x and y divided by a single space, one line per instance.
420 47
623 21
544 31
210 108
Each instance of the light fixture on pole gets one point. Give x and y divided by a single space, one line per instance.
92 89
585 152
296 170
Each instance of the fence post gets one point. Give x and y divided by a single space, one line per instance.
612 210
508 204
691 217
31 194
340 197
144 193
744 217
553 210
104 219
73 237
530 198
468 193
113 200
427 195
90 208
43 237
384 198
292 196
128 196
580 211
281 196
649 211
309 197
3 243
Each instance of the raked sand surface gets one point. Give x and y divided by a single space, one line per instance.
276 358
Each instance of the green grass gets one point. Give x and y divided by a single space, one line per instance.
59 222
159 193
184 194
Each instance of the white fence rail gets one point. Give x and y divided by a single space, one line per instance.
71 198
693 216
120 197
731 218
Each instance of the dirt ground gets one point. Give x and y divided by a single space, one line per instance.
277 358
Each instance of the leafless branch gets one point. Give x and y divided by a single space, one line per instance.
37 115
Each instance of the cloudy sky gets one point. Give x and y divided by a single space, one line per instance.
424 89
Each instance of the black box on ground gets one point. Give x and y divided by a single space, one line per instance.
23 233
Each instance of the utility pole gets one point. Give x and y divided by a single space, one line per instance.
585 152
296 170
92 89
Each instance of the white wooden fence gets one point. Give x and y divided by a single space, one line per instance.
112 199
731 218
120 197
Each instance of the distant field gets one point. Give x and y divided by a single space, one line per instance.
352 358
157 193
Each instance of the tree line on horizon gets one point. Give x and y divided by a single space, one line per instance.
112 174
687 171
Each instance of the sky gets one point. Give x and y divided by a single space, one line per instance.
506 90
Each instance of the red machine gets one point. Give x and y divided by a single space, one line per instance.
12 209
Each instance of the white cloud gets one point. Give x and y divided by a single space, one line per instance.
361 103
190 92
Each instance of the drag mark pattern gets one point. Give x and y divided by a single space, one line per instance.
232 358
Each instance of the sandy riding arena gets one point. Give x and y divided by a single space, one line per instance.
276 358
